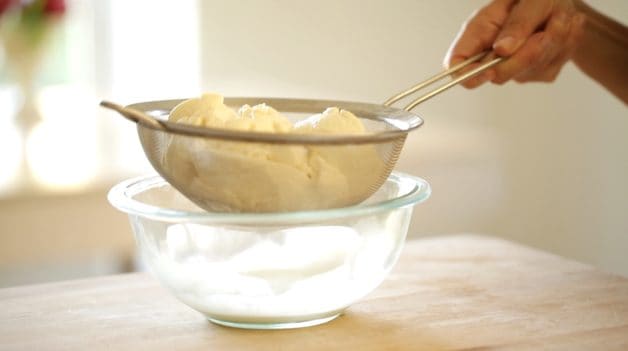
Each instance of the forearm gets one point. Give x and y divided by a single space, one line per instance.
602 53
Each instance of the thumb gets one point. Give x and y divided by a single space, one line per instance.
525 17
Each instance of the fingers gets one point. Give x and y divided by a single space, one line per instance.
539 50
537 36
486 76
477 35
550 71
525 18
479 32
479 79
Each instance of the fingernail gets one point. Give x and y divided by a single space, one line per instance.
506 45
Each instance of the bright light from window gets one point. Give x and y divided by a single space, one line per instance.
61 156
160 56
62 150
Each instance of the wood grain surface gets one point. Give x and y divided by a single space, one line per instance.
448 293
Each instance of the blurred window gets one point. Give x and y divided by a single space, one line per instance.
53 134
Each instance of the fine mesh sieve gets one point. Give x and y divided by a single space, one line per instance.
232 170
196 171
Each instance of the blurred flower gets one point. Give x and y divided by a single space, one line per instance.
33 8
25 23
26 27
54 7
4 5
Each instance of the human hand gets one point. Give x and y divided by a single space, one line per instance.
537 36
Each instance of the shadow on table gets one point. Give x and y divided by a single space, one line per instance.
352 330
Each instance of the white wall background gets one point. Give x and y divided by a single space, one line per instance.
541 164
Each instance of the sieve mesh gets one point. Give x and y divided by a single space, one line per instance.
387 127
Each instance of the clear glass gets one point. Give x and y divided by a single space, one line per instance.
269 270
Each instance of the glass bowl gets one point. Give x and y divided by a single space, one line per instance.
269 270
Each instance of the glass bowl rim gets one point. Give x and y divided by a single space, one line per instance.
121 197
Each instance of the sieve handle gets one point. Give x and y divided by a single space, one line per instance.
442 75
134 115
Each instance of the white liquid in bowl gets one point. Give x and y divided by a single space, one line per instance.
288 275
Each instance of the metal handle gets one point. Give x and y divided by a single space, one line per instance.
135 115
442 75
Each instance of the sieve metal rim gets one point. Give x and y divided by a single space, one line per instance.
401 121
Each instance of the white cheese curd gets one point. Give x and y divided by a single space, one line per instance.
258 177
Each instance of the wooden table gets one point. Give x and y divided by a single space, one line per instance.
449 293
